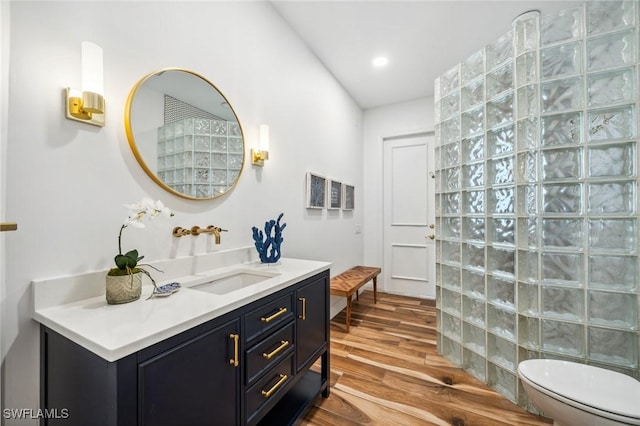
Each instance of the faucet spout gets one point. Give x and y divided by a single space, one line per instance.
215 230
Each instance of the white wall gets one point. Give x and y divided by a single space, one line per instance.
67 181
387 121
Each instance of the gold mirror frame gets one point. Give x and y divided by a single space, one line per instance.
138 154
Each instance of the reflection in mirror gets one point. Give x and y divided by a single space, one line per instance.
184 134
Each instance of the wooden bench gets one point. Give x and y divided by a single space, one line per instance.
351 280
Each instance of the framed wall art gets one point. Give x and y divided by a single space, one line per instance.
348 197
335 194
316 191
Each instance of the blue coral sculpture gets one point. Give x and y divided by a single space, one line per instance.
268 246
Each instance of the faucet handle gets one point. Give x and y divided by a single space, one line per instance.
179 232
213 228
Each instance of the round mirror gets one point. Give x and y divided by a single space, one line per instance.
184 134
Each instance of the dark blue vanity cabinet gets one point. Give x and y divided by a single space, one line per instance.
250 366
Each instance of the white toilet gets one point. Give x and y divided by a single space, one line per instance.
581 395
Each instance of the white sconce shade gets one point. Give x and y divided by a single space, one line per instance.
87 105
258 156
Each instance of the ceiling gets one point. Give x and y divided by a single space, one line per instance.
421 38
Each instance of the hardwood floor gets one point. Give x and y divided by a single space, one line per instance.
386 371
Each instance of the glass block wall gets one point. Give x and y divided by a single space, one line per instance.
537 197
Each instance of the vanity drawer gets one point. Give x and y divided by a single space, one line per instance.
268 389
268 317
269 352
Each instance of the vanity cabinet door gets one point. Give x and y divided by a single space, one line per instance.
312 319
194 383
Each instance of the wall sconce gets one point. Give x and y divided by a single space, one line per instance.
87 105
258 156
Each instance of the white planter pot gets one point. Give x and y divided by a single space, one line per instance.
123 288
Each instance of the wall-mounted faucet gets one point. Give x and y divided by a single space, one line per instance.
196 230
179 232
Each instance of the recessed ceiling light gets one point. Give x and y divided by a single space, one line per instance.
380 61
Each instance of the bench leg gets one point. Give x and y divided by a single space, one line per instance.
348 312
375 289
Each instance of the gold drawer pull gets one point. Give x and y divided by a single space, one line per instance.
304 308
234 361
281 311
283 378
283 344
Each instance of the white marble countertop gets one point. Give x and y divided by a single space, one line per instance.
115 331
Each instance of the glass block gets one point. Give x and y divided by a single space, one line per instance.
233 129
528 134
473 283
611 198
563 337
452 179
235 162
562 95
613 50
437 129
451 203
631 372
501 322
472 122
528 232
437 203
501 292
563 233
473 310
501 201
473 149
219 177
500 141
450 227
611 87
613 346
218 144
437 117
501 231
501 260
503 381
611 15
528 332
437 157
202 191
472 94
528 299
473 175
502 352
473 228
451 301
450 252
450 130
563 268
500 111
561 61
202 126
619 310
451 278
612 124
561 163
450 80
613 272
613 235
169 146
474 364
201 175
562 26
500 171
169 130
528 266
526 28
161 148
451 350
562 303
472 67
188 159
474 338
612 160
219 127
473 255
202 143
203 159
527 166
527 69
449 105
452 327
527 200
473 202
565 198
499 80
499 51
528 101
563 129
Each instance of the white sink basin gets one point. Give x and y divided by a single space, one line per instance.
229 281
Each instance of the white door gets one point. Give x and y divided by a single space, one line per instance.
409 216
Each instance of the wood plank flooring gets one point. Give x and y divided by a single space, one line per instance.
386 371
